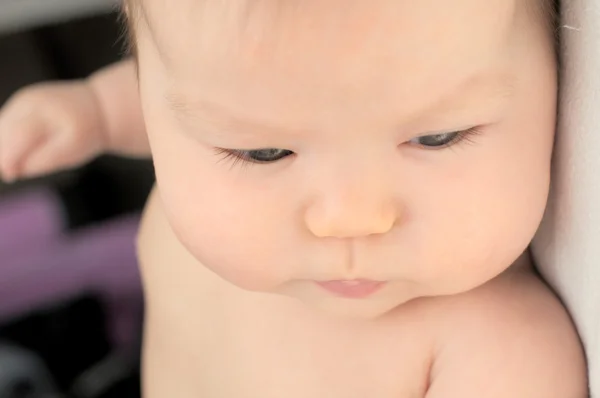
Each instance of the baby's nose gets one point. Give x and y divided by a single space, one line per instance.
352 216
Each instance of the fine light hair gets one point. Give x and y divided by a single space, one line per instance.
132 13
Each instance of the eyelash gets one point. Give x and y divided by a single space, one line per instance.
240 157
462 137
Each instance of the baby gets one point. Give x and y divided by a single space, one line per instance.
346 191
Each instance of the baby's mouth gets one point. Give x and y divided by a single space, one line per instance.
355 288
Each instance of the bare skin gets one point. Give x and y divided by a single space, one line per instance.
54 126
286 349
466 317
510 337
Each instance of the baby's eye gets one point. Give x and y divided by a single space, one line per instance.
436 140
266 155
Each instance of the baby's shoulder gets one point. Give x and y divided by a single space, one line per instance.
515 300
510 337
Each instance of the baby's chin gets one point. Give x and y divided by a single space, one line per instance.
349 309
320 302
369 308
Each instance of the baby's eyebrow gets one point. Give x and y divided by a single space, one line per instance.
491 87
480 88
220 119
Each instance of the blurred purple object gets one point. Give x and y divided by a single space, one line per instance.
28 219
99 259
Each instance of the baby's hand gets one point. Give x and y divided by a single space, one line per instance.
49 127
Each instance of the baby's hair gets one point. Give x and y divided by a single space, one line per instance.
132 14
129 16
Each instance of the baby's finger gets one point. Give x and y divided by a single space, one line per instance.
17 141
55 155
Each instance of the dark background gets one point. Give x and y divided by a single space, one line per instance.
61 348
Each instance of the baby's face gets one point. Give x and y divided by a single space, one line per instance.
406 142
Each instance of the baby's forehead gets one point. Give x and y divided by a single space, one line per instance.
272 26
350 52
269 26
546 9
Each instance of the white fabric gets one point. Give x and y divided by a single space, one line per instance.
567 248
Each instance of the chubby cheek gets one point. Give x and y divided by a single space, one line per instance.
231 234
492 208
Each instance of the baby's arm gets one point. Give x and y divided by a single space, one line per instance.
510 346
51 126
116 88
